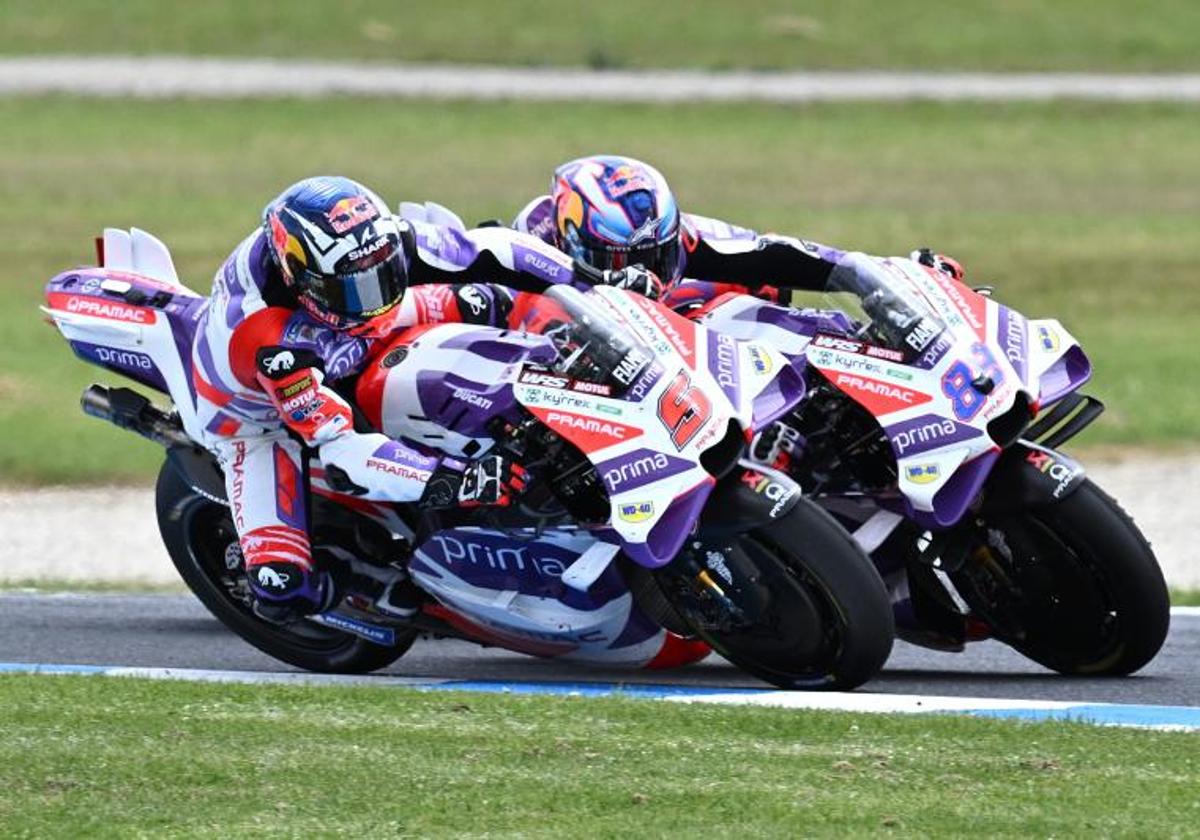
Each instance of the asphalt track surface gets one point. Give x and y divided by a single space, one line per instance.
175 631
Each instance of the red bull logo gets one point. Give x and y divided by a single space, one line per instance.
351 212
626 179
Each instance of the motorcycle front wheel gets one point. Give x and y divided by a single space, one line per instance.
811 611
1077 587
200 537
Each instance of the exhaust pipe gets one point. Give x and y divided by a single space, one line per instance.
129 410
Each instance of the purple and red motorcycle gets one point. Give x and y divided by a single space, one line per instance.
930 428
645 538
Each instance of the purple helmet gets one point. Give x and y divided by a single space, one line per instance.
611 211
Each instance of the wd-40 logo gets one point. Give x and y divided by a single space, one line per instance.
1048 338
922 473
635 512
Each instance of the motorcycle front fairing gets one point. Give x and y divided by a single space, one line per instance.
689 391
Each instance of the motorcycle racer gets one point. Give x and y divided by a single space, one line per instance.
298 306
613 212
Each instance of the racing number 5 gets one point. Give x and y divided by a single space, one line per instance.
683 409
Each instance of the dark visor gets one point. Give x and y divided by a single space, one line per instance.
662 259
361 294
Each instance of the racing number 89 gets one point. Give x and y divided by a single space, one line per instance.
956 382
683 409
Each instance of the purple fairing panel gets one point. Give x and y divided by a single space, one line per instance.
503 346
1067 374
463 405
807 322
183 309
952 501
723 364
638 468
137 366
508 564
1013 338
927 432
668 534
784 392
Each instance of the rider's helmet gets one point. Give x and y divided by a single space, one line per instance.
339 249
611 211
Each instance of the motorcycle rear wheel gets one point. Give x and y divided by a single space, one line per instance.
819 614
1094 601
199 536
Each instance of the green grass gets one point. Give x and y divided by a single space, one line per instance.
1087 213
1185 598
91 756
816 34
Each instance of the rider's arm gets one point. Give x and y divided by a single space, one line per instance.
492 254
720 252
371 465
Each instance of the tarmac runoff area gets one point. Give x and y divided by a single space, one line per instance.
208 77
110 535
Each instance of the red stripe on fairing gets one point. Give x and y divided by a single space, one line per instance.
677 652
100 307
496 637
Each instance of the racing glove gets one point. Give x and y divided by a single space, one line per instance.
635 278
947 265
490 481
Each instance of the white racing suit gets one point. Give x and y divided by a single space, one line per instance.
262 371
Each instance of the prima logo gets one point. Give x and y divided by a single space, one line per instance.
1014 341
726 358
635 469
928 435
501 558
124 358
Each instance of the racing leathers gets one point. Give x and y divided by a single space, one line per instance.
264 370
718 257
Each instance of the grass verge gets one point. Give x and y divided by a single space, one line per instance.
774 34
84 756
1082 212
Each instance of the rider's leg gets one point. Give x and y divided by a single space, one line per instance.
267 492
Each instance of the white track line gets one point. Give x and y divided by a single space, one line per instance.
207 77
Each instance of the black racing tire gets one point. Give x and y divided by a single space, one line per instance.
1097 603
823 617
197 533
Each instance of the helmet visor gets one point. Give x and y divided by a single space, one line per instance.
359 295
661 258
